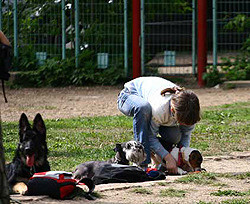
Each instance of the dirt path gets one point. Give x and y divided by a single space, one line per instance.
91 101
95 101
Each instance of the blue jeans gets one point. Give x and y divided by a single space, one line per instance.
145 130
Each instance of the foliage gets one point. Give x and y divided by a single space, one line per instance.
76 140
27 60
236 68
233 68
64 73
212 76
239 23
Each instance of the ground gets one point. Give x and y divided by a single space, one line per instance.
91 101
101 101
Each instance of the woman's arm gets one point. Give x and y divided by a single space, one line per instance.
155 144
186 134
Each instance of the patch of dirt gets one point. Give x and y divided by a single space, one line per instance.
69 102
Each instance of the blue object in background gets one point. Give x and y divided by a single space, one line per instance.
169 58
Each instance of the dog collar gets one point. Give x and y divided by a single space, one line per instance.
180 162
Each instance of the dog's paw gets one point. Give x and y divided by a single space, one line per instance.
181 172
20 188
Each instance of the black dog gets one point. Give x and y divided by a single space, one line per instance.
30 156
131 151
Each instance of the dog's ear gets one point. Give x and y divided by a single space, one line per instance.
23 125
39 126
118 148
124 145
196 156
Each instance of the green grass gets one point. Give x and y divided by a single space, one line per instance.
236 201
201 178
223 129
240 176
203 202
206 178
163 184
170 192
73 141
230 193
140 190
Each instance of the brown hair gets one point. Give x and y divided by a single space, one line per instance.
187 107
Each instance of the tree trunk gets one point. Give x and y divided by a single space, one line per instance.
4 187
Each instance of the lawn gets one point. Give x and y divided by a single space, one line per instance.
223 129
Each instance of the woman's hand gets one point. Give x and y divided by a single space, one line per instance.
171 164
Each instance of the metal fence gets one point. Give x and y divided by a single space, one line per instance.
230 37
65 28
168 37
102 30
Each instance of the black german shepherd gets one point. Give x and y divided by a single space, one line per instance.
30 156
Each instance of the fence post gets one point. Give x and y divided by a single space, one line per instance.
202 40
63 31
77 32
126 37
136 39
142 39
194 36
15 29
214 34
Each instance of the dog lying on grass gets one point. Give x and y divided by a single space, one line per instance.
126 153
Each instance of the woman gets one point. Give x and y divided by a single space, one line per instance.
159 106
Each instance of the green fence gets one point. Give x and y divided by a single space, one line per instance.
102 30
168 36
231 26
60 28
65 28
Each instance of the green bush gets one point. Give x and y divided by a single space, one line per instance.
233 68
236 68
212 77
27 60
57 72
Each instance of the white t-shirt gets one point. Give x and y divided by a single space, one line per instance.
150 89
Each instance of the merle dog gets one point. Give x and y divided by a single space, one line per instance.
131 151
30 156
